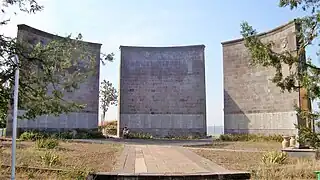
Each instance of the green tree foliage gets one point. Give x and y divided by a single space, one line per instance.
108 96
303 72
47 71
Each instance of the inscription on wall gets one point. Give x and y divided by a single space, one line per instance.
165 81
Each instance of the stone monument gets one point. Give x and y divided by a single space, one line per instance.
162 90
88 93
252 102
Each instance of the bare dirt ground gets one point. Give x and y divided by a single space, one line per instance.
240 145
71 156
293 168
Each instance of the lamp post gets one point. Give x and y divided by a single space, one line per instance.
14 123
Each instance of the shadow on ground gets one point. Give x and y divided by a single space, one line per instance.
148 141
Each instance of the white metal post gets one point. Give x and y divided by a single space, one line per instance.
14 123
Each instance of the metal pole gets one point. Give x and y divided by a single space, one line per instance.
14 123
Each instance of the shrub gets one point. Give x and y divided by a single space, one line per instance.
62 135
79 173
89 135
81 134
250 137
274 157
109 127
183 137
299 168
309 138
139 135
32 136
95 134
50 159
47 143
111 131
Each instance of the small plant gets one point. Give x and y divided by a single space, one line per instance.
78 173
250 137
109 128
47 143
63 135
274 157
31 175
308 137
89 135
31 136
140 135
50 159
111 131
182 137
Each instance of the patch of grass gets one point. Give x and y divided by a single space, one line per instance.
33 174
62 135
232 160
140 135
5 173
89 135
50 159
243 145
291 168
109 127
72 158
80 134
250 137
296 169
78 174
274 157
111 131
47 143
186 137
31 136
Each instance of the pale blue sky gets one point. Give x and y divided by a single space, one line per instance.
161 23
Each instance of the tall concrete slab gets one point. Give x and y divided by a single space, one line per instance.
88 93
252 102
162 90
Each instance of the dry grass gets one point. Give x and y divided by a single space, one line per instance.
294 168
110 127
30 174
232 160
73 156
245 145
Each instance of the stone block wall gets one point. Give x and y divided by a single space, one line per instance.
162 90
252 103
88 93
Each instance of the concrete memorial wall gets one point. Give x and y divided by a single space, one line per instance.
88 93
162 90
252 102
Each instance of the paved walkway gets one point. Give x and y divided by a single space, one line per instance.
164 159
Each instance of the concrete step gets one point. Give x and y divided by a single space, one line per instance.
165 176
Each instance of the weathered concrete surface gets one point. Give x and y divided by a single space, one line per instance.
252 103
162 90
302 153
163 159
165 162
88 93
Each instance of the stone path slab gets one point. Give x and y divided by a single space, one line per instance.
138 159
